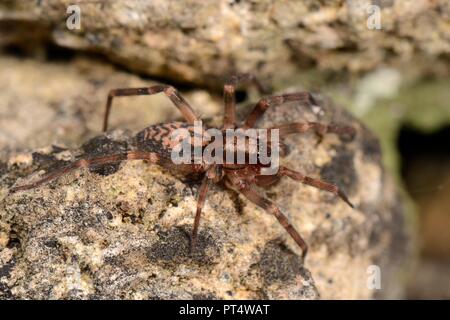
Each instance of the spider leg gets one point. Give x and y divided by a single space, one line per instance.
229 117
200 202
169 91
271 208
274 101
85 163
301 127
283 171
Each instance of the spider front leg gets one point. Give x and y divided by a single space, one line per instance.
200 203
88 162
271 208
274 101
169 91
229 96
211 174
283 171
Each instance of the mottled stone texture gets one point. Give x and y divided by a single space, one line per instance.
123 232
199 41
45 103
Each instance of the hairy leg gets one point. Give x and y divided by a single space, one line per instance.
200 203
229 117
86 163
169 91
271 208
301 127
283 171
273 101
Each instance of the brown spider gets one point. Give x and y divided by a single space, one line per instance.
154 145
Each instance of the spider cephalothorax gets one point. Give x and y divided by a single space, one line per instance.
156 145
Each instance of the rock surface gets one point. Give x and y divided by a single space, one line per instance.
123 231
44 103
387 77
199 42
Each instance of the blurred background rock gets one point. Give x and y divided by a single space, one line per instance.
396 79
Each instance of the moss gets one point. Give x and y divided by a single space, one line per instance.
427 104
383 121
424 105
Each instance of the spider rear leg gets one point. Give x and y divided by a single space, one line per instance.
271 208
176 98
319 128
229 96
283 171
88 162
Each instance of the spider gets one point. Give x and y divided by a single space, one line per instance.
154 145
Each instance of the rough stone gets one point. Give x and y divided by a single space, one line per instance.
199 42
44 103
124 233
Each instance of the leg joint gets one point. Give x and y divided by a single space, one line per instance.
169 90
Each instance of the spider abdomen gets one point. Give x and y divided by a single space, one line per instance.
157 138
